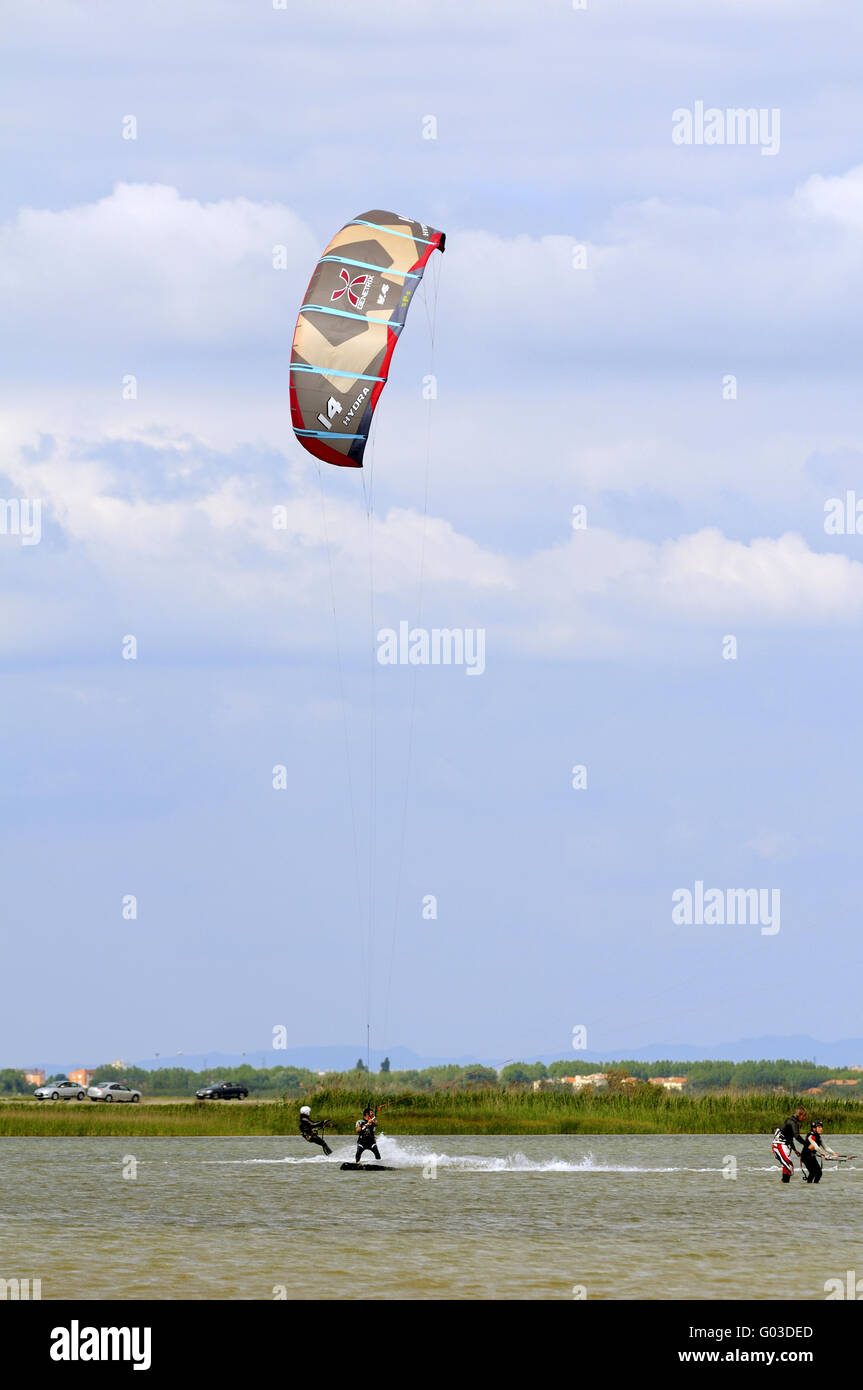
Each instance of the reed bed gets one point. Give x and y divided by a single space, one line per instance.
483 1111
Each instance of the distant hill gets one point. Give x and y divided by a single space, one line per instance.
331 1058
847 1053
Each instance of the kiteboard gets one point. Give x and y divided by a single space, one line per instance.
366 1168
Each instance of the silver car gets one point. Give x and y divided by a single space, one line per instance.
61 1090
113 1090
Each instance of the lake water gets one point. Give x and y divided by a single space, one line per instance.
496 1217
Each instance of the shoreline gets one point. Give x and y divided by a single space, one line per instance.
480 1113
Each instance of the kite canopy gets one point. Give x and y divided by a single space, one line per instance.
348 326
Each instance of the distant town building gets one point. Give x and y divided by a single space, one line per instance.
83 1076
669 1083
119 1065
598 1080
35 1078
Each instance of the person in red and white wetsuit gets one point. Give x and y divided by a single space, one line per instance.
784 1139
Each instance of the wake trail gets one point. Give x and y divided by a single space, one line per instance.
403 1154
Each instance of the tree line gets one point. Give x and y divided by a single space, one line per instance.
782 1074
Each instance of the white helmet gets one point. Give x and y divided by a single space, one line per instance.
305 1110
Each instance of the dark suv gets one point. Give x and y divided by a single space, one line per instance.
225 1090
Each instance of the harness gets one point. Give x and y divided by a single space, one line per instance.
366 1137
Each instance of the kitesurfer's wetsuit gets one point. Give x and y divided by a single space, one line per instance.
366 1138
810 1157
783 1146
309 1131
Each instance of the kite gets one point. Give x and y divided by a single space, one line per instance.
348 326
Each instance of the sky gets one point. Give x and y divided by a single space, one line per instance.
664 335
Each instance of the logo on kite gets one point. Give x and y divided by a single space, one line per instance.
358 300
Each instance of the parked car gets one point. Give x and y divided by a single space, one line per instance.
61 1090
224 1090
113 1090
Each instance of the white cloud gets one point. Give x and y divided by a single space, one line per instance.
838 198
707 576
604 592
210 567
144 268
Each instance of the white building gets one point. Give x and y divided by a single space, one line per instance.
597 1079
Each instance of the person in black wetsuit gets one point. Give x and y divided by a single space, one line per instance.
366 1137
814 1149
309 1129
784 1139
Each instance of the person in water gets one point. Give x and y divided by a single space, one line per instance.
366 1137
784 1139
814 1149
309 1129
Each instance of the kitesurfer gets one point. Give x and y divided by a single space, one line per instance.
784 1139
366 1138
814 1149
309 1129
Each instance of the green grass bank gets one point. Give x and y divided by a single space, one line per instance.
491 1111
